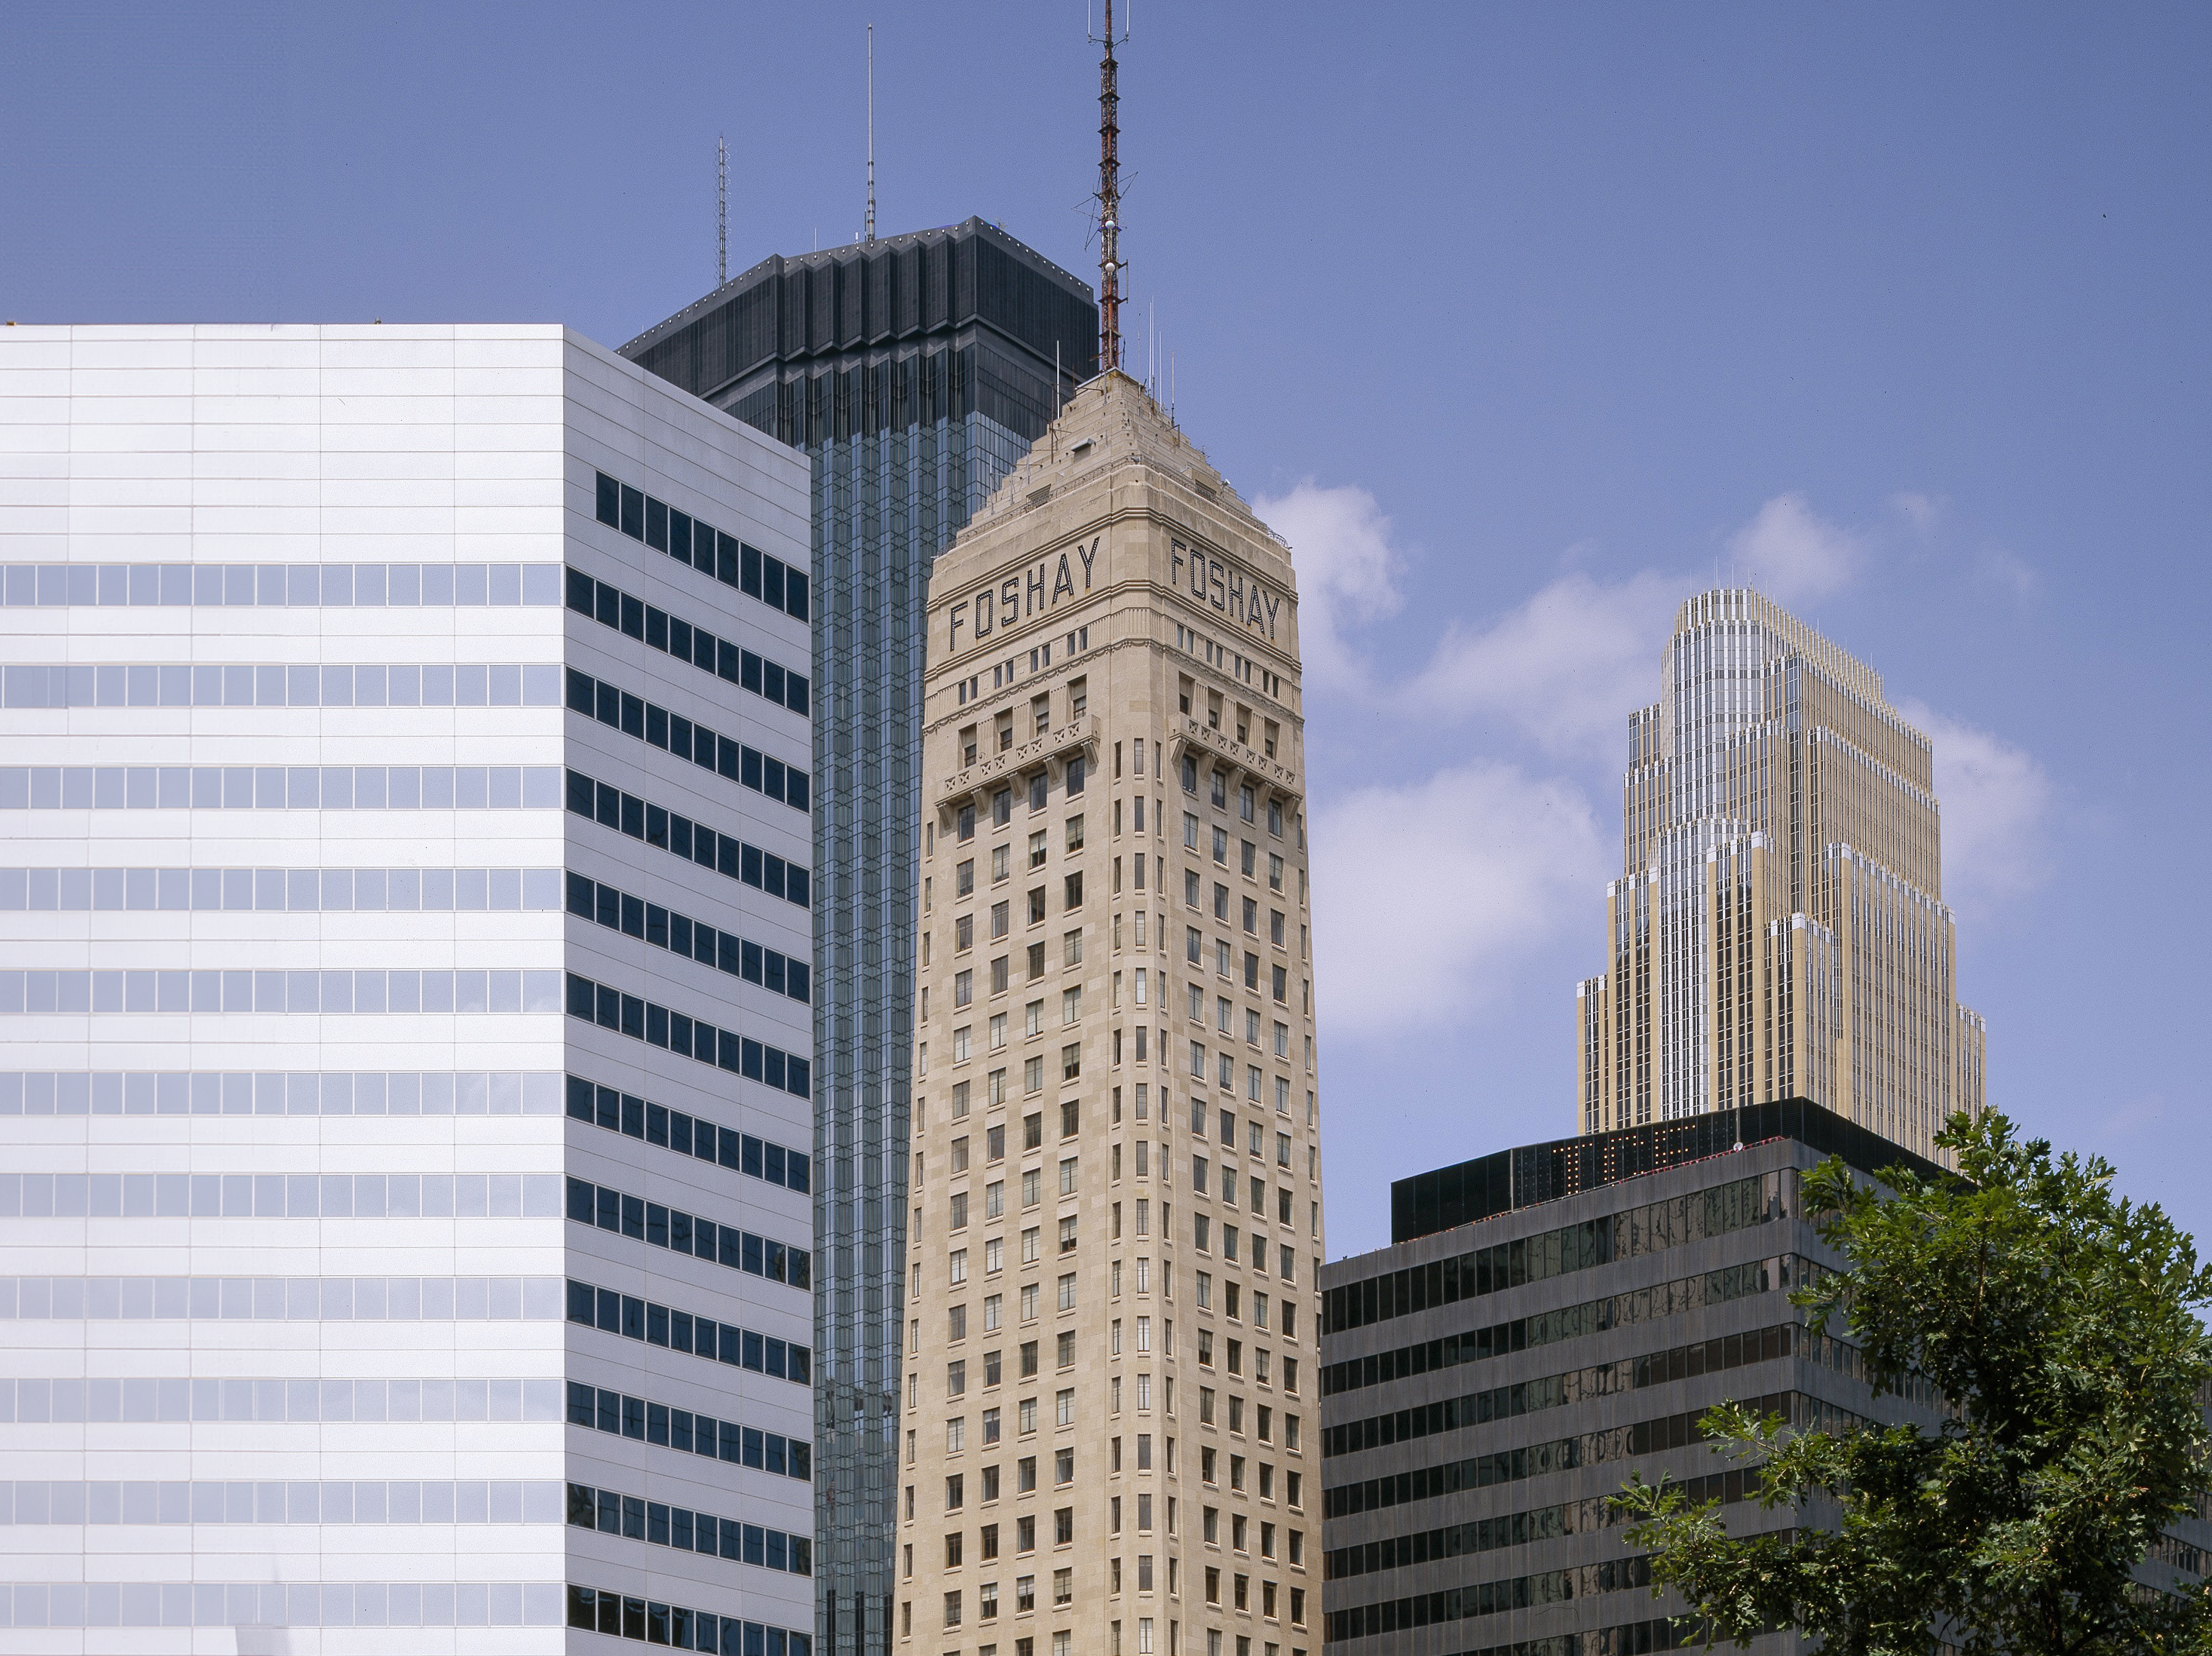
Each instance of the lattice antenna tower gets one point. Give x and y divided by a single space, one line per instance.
872 132
1109 195
721 211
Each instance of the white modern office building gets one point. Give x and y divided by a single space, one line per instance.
406 1051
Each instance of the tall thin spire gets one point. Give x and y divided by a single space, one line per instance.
721 211
1109 205
872 131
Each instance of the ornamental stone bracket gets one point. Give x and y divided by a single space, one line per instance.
1271 774
1055 748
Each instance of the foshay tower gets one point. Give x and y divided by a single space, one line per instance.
1778 929
1107 1442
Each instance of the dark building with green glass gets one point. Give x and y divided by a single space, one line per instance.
915 371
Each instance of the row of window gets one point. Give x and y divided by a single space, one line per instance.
1648 1229
725 950
646 1621
294 891
279 1093
1255 1133
1492 1598
1240 1596
688 1136
471 684
1482 1535
280 586
695 744
157 1398
659 1226
729 560
1248 854
358 993
345 1501
1624 1442
602 1410
695 842
233 1605
636 1519
633 1319
1247 807
1233 1300
1684 1294
1262 1429
1039 794
687 1037
1594 1380
281 1196
1199 1174
279 788
1224 966
1233 1361
280 1298
656 629
1008 671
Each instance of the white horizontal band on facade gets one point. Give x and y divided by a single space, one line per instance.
195 685
169 1397
280 788
332 993
279 1092
342 1605
294 891
279 586
282 1299
201 1501
280 1195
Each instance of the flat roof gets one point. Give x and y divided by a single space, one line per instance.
1445 1198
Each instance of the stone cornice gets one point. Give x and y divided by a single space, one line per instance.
1271 774
1053 746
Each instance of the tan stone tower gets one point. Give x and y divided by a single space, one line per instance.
1109 1433
1779 929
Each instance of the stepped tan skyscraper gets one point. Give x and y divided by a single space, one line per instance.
1107 1443
1778 929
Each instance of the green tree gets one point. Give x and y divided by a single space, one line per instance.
2058 1326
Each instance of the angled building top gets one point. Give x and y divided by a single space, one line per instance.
873 295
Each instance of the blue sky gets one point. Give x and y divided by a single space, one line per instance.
1522 322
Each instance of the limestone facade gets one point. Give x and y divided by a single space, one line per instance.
1107 1435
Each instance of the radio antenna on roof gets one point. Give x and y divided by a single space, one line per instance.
1109 198
872 131
721 211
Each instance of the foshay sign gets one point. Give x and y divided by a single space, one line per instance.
1024 593
1067 574
1229 589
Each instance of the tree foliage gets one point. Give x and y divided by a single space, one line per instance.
2058 1326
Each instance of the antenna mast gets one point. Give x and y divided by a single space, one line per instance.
1109 204
872 131
721 212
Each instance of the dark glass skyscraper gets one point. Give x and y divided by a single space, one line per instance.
915 371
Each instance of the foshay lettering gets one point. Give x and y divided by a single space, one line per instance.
1025 592
1229 589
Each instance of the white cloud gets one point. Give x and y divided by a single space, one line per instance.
1431 896
1348 573
1789 554
2014 574
1921 511
1930 515
1567 668
1995 800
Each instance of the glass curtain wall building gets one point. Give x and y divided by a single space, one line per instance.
915 371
